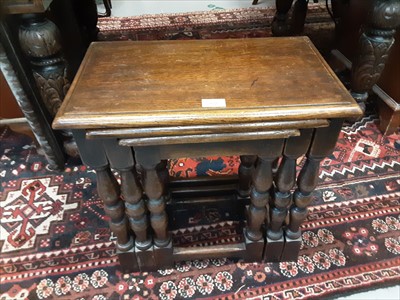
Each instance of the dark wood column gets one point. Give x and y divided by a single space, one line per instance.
282 198
99 154
41 43
374 46
259 197
155 178
18 74
280 24
109 191
323 143
246 169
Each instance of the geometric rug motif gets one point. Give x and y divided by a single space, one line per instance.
27 211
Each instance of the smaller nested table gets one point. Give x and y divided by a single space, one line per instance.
133 105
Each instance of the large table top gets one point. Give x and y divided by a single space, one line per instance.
160 83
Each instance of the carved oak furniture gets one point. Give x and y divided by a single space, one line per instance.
133 105
36 61
373 46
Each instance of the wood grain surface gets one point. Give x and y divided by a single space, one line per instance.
161 83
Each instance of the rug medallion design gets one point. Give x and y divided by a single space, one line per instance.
29 210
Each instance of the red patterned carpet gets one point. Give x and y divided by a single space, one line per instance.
55 242
219 24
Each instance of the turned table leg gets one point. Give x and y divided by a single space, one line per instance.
323 143
284 181
122 159
154 188
97 155
373 47
138 220
245 172
132 194
109 192
162 169
259 197
155 177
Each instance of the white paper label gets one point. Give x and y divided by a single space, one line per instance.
213 102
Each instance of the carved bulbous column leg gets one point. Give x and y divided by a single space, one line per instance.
41 42
109 192
37 121
299 16
245 174
373 47
280 25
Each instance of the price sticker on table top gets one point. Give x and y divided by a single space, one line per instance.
216 102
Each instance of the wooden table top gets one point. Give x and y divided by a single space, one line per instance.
188 82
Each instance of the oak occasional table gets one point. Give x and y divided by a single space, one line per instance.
134 105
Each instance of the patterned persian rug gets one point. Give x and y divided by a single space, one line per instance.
55 242
217 24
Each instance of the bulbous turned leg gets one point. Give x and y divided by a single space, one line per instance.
323 143
262 182
132 194
245 172
108 189
307 181
256 212
98 154
136 212
373 47
154 186
284 182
